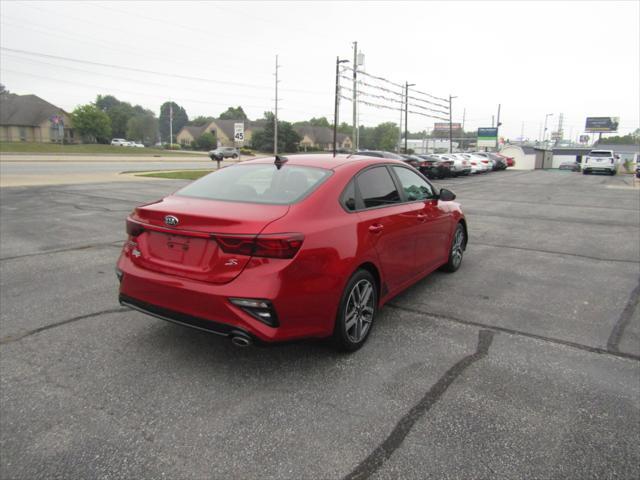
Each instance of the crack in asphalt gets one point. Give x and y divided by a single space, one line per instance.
114 243
480 213
511 331
556 253
624 319
552 204
385 450
11 339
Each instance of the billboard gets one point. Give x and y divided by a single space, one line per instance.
444 127
602 124
487 137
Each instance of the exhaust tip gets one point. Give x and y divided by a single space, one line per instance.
240 341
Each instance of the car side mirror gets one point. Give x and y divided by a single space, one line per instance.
446 195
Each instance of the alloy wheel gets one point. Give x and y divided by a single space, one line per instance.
457 247
359 311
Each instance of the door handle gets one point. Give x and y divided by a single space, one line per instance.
377 228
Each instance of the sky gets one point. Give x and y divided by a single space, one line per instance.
532 58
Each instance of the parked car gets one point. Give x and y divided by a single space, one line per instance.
511 162
221 153
309 246
460 166
380 154
478 164
433 166
572 166
412 160
496 162
599 161
136 144
119 142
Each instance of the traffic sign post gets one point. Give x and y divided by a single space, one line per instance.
238 134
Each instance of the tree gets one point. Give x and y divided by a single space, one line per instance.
233 114
206 141
3 89
288 139
315 122
201 121
143 127
385 136
180 119
629 139
91 123
119 113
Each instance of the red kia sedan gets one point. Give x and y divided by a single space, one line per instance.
278 249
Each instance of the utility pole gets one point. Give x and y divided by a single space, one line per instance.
170 124
355 96
498 128
337 105
450 125
522 132
400 125
493 121
464 114
275 116
406 113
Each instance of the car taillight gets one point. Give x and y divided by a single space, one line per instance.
134 228
279 245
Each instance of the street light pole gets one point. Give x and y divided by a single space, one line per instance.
544 132
406 113
337 105
450 125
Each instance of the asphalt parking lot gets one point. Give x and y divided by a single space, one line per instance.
523 364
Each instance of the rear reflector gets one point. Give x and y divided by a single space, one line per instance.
259 309
280 245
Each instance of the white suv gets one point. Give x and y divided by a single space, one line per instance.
600 161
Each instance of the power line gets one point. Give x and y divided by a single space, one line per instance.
152 72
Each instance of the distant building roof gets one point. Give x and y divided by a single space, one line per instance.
571 151
195 130
319 135
25 110
618 148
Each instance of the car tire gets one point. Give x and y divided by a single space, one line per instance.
585 172
234 155
356 315
456 251
612 173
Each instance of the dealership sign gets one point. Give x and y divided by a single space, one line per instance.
444 127
602 124
487 137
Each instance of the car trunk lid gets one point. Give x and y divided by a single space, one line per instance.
178 236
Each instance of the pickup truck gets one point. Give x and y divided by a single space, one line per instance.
600 161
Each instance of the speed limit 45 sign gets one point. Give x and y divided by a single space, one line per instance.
238 132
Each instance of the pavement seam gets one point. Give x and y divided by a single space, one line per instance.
10 339
115 243
526 249
625 317
510 331
394 440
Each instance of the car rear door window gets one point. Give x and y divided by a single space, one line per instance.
377 188
414 186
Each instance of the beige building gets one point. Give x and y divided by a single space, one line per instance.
321 138
28 118
222 129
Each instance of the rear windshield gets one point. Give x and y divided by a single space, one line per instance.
257 183
599 153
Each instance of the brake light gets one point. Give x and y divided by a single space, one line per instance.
279 245
134 228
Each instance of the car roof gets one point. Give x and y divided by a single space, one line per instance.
325 160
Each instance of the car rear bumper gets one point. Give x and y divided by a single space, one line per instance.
207 306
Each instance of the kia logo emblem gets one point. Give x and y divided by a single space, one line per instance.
171 220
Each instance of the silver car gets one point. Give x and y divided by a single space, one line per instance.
224 152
